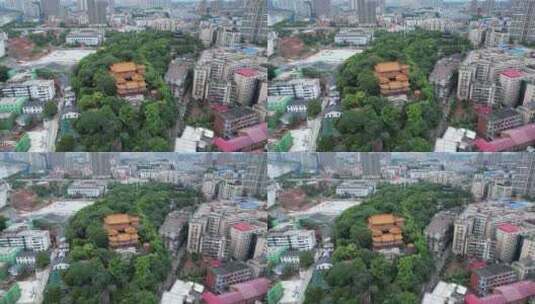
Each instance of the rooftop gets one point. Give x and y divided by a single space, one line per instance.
243 226
521 136
493 270
247 72
512 73
391 66
122 67
230 268
509 228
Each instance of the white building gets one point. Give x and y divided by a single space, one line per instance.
86 189
454 140
353 37
298 88
296 239
355 189
182 292
445 293
37 240
84 37
43 90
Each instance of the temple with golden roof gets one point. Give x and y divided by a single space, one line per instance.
386 231
393 78
122 230
129 78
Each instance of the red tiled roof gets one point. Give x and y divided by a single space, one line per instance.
509 228
240 292
248 136
247 72
512 73
243 226
517 291
509 139
210 298
252 289
492 299
511 293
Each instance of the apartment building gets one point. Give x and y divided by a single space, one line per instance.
484 280
228 122
489 126
298 88
86 189
28 239
294 239
43 90
219 278
84 37
507 242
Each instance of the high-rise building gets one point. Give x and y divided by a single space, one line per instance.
522 26
321 7
366 11
524 177
96 10
51 8
254 24
507 242
243 240
82 5
246 80
255 181
371 164
101 163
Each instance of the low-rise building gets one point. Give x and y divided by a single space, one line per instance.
253 138
298 88
359 37
37 240
219 278
84 37
519 292
455 140
194 140
86 189
246 292
445 293
228 121
485 279
516 139
489 126
43 90
355 189
294 239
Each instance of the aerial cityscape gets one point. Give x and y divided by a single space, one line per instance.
373 76
281 228
267 152
99 75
